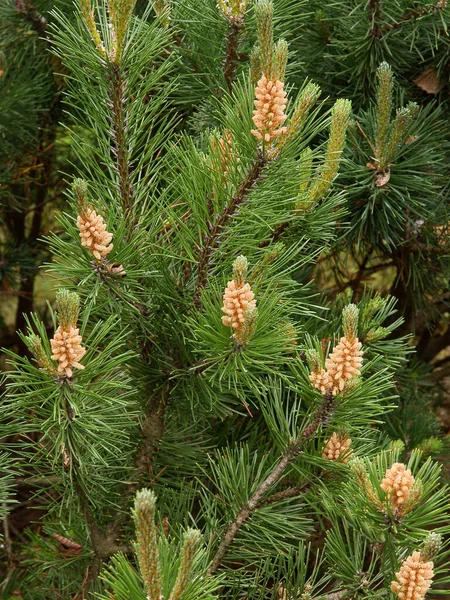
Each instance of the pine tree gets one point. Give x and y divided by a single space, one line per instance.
197 419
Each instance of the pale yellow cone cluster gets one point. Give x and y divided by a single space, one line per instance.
237 299
320 380
269 115
343 363
398 483
337 448
414 578
93 233
67 349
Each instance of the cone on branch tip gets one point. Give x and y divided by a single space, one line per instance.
401 488
147 542
93 233
191 542
337 448
269 115
239 304
344 362
66 342
34 344
340 118
414 578
233 10
88 14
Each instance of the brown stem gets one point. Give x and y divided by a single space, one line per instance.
256 500
120 150
37 21
291 492
275 235
233 42
416 13
375 17
211 240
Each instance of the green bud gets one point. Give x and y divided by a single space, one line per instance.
340 117
431 445
147 542
384 105
240 268
191 542
281 56
379 333
249 326
431 546
313 360
80 192
264 27
67 307
350 316
396 446
34 344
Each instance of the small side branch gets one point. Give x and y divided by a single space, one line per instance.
321 416
210 241
233 42
119 135
375 18
416 13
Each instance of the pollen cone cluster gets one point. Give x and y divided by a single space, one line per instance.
414 578
321 380
397 483
268 115
67 349
237 299
336 446
93 233
344 363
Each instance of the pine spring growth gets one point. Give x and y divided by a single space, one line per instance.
269 115
233 10
66 343
147 542
93 233
340 117
191 543
305 102
398 483
89 18
67 349
337 448
34 344
414 578
344 363
239 304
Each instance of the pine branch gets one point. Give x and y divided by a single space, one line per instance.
37 21
233 41
375 18
257 499
118 100
211 240
416 13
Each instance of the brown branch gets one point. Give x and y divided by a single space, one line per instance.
37 21
257 499
120 149
291 492
375 18
210 241
233 42
416 13
276 234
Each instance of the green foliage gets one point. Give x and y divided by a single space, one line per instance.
225 425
